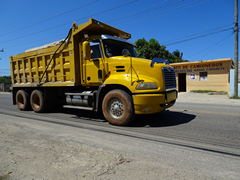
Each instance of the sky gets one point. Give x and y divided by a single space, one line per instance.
201 29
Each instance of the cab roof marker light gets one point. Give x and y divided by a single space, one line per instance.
104 36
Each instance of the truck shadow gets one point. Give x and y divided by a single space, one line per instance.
85 115
162 119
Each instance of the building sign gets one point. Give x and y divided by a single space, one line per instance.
199 67
192 77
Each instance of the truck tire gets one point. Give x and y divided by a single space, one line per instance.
22 100
37 101
118 107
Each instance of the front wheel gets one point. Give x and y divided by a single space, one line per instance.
118 107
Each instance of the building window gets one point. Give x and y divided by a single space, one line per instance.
203 76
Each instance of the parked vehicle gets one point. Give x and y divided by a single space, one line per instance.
94 68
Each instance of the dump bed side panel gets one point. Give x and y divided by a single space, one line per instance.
28 68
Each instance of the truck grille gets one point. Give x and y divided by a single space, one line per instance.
169 78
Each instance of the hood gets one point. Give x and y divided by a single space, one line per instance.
141 72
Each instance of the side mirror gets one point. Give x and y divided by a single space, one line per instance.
86 50
126 53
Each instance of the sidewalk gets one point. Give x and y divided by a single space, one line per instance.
204 97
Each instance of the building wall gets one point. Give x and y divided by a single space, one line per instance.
216 81
5 87
217 74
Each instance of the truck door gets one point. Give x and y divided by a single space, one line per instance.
95 67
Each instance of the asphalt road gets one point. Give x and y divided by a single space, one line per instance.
198 127
211 127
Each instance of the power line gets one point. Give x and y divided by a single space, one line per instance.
202 31
214 45
49 18
78 19
151 5
107 22
199 33
142 20
108 10
34 41
146 11
95 14
219 45
184 40
71 21
34 33
197 37
141 12
100 13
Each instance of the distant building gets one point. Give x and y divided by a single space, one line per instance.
5 87
203 75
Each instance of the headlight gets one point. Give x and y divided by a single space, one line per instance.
144 86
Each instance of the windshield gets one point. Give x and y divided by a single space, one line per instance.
115 48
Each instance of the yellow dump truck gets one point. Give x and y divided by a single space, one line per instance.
94 68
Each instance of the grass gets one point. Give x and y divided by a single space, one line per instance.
202 91
235 97
210 92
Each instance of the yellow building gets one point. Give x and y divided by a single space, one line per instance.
203 75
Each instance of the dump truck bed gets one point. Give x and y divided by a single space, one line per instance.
28 68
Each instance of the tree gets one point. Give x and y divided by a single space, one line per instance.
178 54
5 79
151 49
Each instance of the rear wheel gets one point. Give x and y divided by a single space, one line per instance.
118 107
37 101
22 100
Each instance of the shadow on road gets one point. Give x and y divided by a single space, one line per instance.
84 114
162 119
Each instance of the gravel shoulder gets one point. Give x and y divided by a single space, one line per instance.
50 151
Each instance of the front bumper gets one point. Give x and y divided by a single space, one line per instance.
153 103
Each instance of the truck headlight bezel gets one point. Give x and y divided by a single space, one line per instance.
146 86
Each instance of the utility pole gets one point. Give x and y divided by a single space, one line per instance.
1 51
236 51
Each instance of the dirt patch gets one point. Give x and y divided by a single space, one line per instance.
28 154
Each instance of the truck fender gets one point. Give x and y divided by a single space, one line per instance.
100 90
104 89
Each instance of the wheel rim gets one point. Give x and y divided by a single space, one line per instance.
20 100
116 109
36 101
